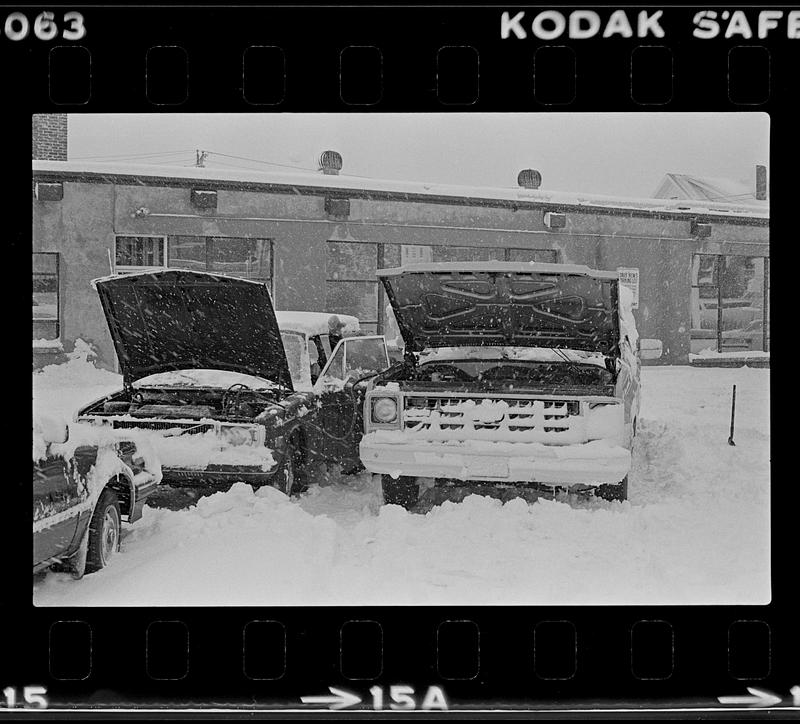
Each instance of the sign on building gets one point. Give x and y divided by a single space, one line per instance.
415 254
629 277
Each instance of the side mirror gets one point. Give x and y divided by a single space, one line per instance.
650 348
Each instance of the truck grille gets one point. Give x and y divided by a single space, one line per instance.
188 427
488 413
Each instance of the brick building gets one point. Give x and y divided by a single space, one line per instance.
49 136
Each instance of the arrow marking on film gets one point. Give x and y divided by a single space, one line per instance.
758 697
339 700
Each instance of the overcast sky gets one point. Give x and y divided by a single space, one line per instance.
616 154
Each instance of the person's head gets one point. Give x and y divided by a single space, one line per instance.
335 325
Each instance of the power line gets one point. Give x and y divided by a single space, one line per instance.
228 164
256 160
132 155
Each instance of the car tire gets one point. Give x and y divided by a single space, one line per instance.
292 477
617 491
104 531
403 491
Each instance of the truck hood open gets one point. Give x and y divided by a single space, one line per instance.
505 303
176 319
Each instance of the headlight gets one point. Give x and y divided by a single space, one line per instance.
384 409
238 435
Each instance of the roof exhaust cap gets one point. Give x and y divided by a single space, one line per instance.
529 178
330 162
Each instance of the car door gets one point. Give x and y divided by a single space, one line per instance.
628 382
55 508
341 397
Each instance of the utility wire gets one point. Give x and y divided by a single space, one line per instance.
255 160
133 155
228 164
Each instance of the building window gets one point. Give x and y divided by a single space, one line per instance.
729 303
351 286
46 314
226 256
139 253
402 254
543 256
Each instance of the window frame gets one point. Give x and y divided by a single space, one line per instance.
717 273
133 268
270 241
57 320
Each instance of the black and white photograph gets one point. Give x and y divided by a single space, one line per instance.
374 359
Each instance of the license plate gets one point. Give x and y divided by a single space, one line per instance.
487 467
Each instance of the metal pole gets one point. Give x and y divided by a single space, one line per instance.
765 308
733 411
719 303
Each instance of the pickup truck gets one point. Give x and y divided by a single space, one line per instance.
518 379
225 390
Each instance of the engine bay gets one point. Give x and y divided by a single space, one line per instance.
237 401
493 374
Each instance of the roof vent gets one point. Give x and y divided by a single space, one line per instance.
330 162
529 178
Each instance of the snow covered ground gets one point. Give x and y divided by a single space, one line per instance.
695 530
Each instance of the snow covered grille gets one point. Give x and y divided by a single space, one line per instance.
482 413
189 427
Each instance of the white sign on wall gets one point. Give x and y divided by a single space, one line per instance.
415 254
629 277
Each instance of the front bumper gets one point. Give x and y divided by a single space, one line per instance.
216 476
590 463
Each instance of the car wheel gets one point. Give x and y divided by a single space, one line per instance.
617 491
403 491
287 476
104 531
292 477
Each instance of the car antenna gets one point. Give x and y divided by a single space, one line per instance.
733 412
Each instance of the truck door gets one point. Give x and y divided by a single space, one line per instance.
342 397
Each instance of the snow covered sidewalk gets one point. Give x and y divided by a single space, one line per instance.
695 530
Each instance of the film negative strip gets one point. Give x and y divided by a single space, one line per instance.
510 449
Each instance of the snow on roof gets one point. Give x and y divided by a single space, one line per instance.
709 188
499 266
311 323
343 182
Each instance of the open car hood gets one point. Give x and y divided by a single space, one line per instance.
505 303
175 319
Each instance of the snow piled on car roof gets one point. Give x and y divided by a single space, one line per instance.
312 323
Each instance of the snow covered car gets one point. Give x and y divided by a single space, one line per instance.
518 379
224 390
82 486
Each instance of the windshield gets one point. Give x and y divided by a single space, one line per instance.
203 378
504 372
